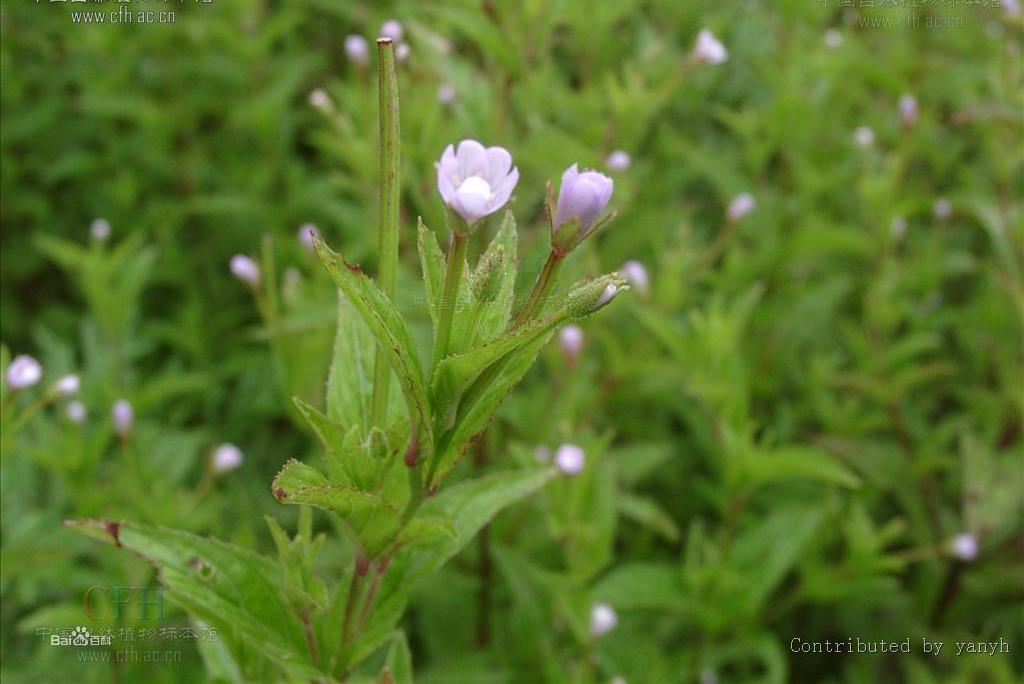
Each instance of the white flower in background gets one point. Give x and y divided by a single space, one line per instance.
602 619
908 109
741 205
446 94
308 234
709 49
636 274
402 51
606 296
583 197
24 371
570 459
357 49
67 385
898 227
618 161
245 269
864 136
226 457
833 38
393 29
570 342
965 547
99 229
76 412
942 208
123 417
542 454
475 181
319 99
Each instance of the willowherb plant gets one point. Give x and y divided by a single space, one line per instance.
393 425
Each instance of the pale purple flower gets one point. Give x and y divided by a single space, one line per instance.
833 38
965 547
393 29
618 161
942 208
446 94
23 371
603 619
908 109
308 234
357 49
741 205
864 136
245 269
570 342
898 227
618 680
709 49
319 99
402 51
67 385
636 275
475 181
99 229
570 459
76 412
1011 8
123 417
226 457
582 196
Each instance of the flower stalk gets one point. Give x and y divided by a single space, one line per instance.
450 293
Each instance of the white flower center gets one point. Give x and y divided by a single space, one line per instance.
476 187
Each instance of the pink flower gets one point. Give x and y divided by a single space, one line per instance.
245 269
475 181
603 619
709 49
570 459
357 49
226 457
582 196
23 372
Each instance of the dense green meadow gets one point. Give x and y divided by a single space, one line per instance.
802 422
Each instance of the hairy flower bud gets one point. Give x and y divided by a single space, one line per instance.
245 269
709 49
123 417
226 457
357 49
603 619
486 279
582 197
618 160
570 459
76 412
67 385
741 205
587 297
475 181
24 371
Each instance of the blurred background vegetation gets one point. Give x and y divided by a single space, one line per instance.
787 431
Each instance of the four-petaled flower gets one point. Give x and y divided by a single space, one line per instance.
582 196
475 181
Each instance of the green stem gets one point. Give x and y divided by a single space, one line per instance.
390 161
541 289
449 295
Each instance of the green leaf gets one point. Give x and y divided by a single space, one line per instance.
330 433
350 380
391 334
372 519
228 587
648 513
795 461
432 262
642 586
398 663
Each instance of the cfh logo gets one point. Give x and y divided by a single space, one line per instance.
80 636
108 603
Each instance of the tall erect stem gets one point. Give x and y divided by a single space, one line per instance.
450 294
390 160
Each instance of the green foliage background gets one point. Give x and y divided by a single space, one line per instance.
784 434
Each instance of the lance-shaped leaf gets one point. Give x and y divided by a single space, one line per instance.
233 589
390 331
373 520
433 263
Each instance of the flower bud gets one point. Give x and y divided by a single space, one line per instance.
864 136
942 208
226 457
393 29
833 39
357 49
618 161
636 275
24 371
709 49
582 197
570 459
964 547
603 619
76 412
245 269
570 342
475 181
486 279
319 99
123 417
908 109
446 94
99 229
741 205
308 234
589 296
67 385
